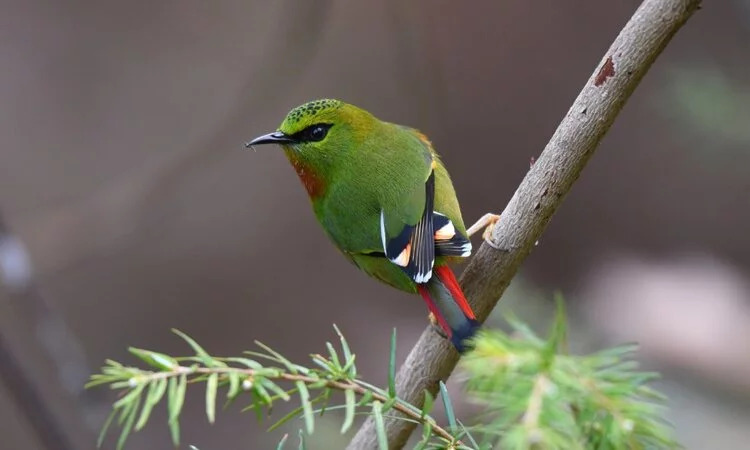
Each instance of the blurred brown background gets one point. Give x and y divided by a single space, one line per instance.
123 173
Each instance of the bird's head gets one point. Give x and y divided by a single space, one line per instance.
319 138
320 129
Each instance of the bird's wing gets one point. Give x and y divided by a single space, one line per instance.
411 245
411 232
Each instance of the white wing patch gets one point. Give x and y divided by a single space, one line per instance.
382 231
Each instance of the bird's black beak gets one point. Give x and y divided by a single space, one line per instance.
277 137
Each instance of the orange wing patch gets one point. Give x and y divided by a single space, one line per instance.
403 258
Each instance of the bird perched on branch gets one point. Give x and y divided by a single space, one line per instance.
385 199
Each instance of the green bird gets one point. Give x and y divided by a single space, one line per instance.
385 199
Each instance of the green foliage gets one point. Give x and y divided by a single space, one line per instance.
263 378
534 394
537 396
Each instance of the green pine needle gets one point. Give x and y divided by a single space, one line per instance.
448 407
202 355
429 401
377 412
211 386
280 445
302 444
104 429
304 397
392 367
350 399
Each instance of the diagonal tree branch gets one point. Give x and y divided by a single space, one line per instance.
540 194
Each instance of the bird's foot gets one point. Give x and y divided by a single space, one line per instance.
486 222
436 326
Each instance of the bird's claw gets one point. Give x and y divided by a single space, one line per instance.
436 326
487 222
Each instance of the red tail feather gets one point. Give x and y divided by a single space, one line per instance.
445 274
434 309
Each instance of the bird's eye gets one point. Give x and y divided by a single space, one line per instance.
315 133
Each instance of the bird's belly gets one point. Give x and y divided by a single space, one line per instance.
383 270
351 223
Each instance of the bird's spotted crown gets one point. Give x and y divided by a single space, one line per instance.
311 108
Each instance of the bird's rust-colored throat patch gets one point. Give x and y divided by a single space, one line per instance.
312 182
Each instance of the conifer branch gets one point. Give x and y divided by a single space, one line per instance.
148 377
142 389
540 194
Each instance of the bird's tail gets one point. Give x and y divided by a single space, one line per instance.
447 303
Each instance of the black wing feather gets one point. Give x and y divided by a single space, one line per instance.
418 240
455 245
